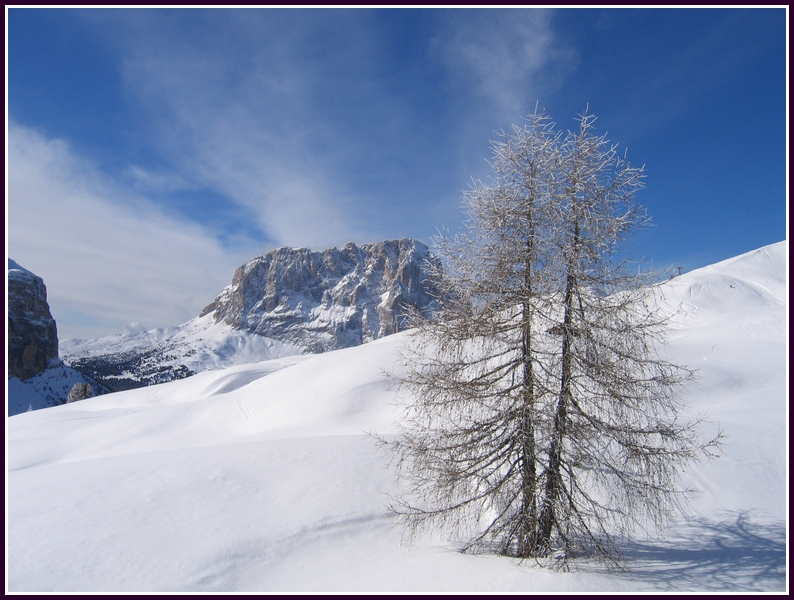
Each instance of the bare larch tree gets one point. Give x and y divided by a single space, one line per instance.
541 421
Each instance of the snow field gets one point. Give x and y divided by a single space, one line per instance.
261 477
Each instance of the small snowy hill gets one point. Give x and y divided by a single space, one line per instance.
260 477
747 282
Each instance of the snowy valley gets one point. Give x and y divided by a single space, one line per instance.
260 475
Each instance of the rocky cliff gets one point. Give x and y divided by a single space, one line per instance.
331 299
32 333
36 376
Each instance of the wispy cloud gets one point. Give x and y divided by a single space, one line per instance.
108 256
159 182
510 58
309 119
232 107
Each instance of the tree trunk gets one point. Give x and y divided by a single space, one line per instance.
554 481
528 533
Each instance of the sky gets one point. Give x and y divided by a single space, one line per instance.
150 152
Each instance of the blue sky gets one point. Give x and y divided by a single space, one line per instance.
151 152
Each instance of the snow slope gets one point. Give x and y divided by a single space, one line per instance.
260 477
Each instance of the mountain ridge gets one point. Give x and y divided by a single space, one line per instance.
272 293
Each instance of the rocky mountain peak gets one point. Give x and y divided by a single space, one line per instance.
32 333
323 300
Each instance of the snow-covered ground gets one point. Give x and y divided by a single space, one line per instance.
261 477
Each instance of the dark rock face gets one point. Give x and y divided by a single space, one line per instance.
326 300
32 333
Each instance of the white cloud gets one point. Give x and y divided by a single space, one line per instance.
107 256
506 56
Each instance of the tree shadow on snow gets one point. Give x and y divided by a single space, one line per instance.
729 555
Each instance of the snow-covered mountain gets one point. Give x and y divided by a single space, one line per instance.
289 301
36 376
260 477
327 300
